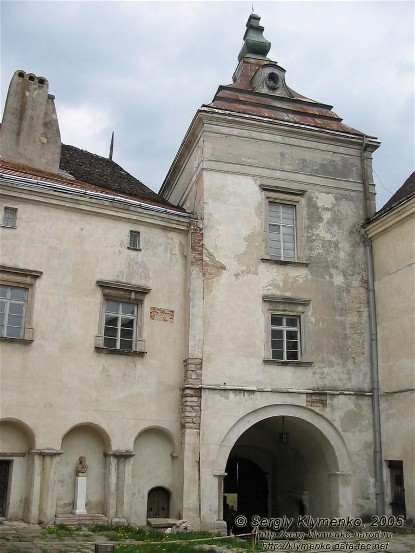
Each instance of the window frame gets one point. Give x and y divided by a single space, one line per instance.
122 293
3 221
295 199
137 235
26 279
284 306
285 328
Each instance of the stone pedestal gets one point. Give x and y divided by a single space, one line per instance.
80 495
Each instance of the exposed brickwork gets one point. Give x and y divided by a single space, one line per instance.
192 372
160 314
196 245
316 400
191 396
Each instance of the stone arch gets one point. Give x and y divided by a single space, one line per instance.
90 441
153 467
22 427
334 456
16 441
103 433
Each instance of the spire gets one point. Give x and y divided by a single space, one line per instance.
111 146
255 45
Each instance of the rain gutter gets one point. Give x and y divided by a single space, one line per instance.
374 362
44 185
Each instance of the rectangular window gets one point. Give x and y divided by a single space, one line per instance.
134 243
121 318
281 231
120 325
12 311
285 338
9 217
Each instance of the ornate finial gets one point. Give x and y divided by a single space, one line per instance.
255 45
111 146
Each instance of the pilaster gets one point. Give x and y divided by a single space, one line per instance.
47 496
119 485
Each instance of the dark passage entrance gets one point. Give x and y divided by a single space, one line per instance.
397 488
4 485
247 480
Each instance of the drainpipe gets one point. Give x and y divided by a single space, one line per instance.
377 436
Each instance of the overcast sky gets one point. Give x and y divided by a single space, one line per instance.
142 69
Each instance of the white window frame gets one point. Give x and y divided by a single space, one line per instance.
26 279
9 217
284 306
284 328
134 240
283 231
295 199
122 293
10 305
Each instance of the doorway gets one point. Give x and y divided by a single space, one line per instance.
158 503
4 485
397 488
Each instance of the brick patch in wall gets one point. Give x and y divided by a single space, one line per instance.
159 314
316 400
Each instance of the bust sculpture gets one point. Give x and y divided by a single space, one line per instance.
82 467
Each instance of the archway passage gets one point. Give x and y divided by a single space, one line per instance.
245 488
274 476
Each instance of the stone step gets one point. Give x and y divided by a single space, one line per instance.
81 520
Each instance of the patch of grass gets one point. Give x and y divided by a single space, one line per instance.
59 531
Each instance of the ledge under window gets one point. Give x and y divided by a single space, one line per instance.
100 349
284 262
18 340
139 351
289 363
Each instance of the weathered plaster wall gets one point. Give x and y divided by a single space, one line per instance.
394 268
243 162
63 381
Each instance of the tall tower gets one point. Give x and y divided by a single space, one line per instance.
278 318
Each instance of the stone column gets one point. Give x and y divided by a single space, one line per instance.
35 468
220 523
120 485
47 496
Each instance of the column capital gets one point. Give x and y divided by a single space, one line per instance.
47 452
120 453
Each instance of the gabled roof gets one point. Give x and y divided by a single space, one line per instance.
106 174
132 189
405 193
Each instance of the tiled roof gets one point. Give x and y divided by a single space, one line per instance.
241 97
106 174
82 170
405 192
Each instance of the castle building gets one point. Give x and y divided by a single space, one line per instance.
204 346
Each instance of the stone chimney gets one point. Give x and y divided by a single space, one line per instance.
29 133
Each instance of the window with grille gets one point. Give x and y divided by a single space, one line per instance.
12 311
285 338
281 231
9 217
